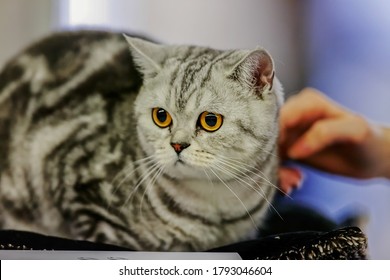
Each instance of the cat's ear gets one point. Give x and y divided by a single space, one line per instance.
255 70
146 55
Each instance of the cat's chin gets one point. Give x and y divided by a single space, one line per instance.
181 170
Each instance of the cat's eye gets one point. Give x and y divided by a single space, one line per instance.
161 117
210 122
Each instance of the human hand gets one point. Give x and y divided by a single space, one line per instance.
316 131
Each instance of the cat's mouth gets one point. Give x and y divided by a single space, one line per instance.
182 167
179 161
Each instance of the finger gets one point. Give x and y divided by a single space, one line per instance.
299 113
306 108
342 159
325 133
289 179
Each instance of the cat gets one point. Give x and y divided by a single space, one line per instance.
116 139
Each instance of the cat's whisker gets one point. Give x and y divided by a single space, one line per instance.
133 167
242 203
256 183
245 164
240 165
157 174
249 186
210 181
269 152
251 169
241 172
142 178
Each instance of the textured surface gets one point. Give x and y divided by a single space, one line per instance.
347 243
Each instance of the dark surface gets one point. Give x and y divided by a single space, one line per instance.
23 240
347 243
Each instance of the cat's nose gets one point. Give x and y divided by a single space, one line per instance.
178 147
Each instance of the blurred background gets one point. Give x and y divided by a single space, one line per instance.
341 49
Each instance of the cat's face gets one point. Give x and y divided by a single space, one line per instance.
201 113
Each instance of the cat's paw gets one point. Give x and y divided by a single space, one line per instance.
290 178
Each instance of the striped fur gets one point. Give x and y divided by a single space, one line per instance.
80 156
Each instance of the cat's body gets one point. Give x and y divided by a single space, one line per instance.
92 148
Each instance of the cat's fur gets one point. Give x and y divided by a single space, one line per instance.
81 157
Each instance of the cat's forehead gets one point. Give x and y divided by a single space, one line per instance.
190 54
192 77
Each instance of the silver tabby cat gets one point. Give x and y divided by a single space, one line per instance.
156 148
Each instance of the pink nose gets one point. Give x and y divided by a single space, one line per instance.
178 147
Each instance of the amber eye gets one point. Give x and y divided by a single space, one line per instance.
210 122
161 117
